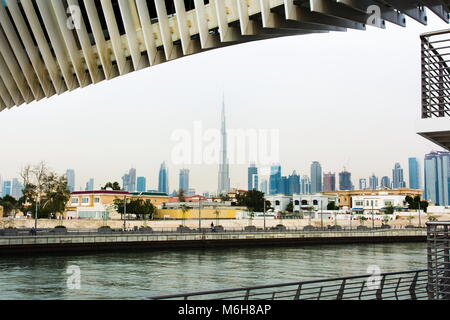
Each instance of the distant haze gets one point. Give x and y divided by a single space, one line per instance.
344 99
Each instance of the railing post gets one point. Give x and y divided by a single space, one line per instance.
297 294
412 287
379 292
247 294
340 294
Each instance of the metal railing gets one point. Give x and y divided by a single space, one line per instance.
87 232
405 285
435 74
438 247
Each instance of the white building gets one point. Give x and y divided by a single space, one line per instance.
316 201
375 203
279 202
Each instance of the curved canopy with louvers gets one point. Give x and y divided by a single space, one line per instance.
48 47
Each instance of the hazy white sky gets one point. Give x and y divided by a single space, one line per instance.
345 99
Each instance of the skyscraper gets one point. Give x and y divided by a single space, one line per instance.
414 173
129 181
6 188
385 182
224 173
16 189
329 182
362 184
397 177
126 182
316 177
132 174
293 184
437 178
345 180
184 180
70 174
305 185
252 177
264 188
141 184
373 182
90 185
163 179
275 179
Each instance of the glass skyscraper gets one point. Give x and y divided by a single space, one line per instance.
385 182
129 181
252 178
397 177
6 188
70 174
329 182
345 181
316 177
373 182
275 179
90 185
293 184
305 185
16 189
362 184
141 184
184 180
163 180
413 166
437 178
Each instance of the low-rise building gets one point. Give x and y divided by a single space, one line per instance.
278 202
377 203
314 202
100 204
345 197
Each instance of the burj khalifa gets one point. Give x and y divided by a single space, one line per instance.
224 172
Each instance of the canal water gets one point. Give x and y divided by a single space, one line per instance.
138 275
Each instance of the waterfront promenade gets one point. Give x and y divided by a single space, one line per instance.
176 240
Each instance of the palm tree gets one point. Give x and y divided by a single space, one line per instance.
217 213
184 209
362 219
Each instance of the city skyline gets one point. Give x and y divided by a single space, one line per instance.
99 107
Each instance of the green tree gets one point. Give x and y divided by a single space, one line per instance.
43 189
362 219
181 197
112 185
184 209
9 204
142 209
389 209
226 197
253 200
290 207
332 206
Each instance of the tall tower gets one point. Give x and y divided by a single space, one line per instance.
163 180
224 173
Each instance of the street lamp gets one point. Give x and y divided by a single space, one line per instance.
199 214
373 221
36 213
264 205
124 213
420 224
321 215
